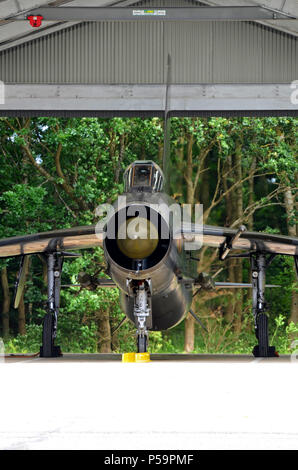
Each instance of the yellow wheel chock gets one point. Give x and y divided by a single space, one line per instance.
129 357
143 357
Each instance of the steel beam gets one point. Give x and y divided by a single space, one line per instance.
146 99
250 13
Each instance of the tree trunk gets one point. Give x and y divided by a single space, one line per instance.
189 171
22 317
121 156
22 310
228 197
294 308
229 314
104 331
204 188
6 303
160 153
293 232
189 334
189 324
234 211
238 270
290 210
177 183
251 193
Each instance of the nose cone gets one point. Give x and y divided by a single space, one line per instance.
137 238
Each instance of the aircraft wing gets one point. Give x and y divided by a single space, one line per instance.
239 239
57 240
85 237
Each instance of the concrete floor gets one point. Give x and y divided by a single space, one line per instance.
174 402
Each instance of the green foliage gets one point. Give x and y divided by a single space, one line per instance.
55 172
72 337
221 339
23 344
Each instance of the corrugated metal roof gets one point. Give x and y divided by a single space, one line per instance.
14 33
286 6
135 52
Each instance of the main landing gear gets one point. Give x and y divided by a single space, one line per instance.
54 262
54 265
259 263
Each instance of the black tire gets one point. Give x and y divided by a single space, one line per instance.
142 344
47 336
263 335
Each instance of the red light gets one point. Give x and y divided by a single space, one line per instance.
35 21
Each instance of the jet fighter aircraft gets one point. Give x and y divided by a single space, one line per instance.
154 269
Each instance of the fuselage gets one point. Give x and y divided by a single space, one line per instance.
163 269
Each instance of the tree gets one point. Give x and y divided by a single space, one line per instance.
55 172
6 303
238 151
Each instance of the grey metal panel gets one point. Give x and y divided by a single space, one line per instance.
238 53
218 13
191 48
130 52
103 52
183 99
139 55
280 54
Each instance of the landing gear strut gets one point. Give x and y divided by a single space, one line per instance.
142 313
142 339
54 265
259 263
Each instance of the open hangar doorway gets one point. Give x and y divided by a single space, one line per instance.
120 68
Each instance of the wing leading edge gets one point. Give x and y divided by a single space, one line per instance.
233 239
86 237
57 240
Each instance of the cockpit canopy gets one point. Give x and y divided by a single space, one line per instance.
144 175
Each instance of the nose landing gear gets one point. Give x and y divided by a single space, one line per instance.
142 340
142 312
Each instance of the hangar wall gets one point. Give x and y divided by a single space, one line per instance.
112 68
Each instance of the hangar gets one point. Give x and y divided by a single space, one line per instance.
112 58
